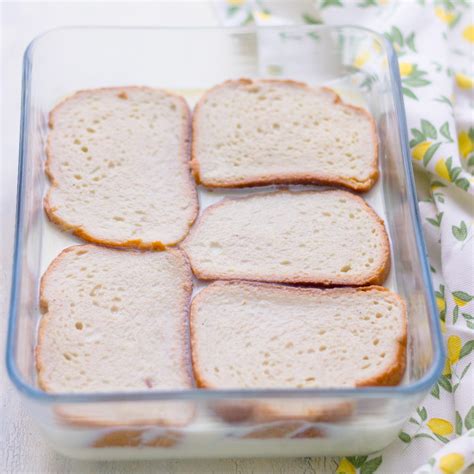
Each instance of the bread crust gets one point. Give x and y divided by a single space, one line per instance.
395 372
132 438
375 278
293 178
88 235
285 429
265 411
64 414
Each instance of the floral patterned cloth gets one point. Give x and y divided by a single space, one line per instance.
434 41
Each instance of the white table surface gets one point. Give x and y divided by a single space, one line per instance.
22 449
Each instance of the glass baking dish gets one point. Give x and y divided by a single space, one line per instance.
188 61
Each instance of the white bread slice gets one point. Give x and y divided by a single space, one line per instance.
318 237
258 132
117 159
116 321
253 335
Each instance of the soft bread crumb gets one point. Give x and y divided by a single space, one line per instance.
329 237
273 336
118 164
114 321
258 132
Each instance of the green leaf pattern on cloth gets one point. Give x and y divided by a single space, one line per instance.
434 41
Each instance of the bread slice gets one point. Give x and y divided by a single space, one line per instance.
117 159
252 335
116 321
317 237
283 430
138 438
258 132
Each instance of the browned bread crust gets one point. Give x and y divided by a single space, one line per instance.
137 438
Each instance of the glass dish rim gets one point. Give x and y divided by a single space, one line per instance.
196 394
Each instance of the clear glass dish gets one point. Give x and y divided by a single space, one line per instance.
188 61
